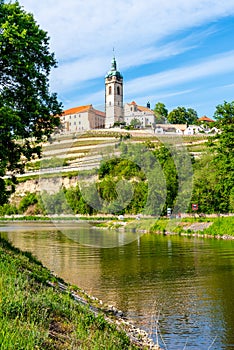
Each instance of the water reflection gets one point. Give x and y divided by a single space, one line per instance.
185 284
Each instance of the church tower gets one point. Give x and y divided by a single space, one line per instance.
113 95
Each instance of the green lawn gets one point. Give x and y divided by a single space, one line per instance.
34 315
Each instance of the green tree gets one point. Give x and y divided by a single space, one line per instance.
135 123
192 116
214 173
224 116
27 200
160 113
28 111
181 115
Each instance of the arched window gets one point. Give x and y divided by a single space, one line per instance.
118 90
109 103
110 90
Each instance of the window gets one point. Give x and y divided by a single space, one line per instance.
118 90
109 103
110 90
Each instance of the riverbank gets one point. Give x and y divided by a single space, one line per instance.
221 227
214 227
40 311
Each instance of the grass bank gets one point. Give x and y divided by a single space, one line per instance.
211 226
34 315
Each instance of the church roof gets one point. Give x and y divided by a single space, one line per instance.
75 110
141 108
82 109
114 72
144 109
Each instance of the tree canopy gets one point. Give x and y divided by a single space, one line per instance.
28 110
214 177
181 115
135 123
160 112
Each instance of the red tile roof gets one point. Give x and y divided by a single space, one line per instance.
205 119
75 110
141 108
144 109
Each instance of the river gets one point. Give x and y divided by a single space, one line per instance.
179 289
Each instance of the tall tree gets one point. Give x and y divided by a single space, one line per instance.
28 111
214 175
160 112
224 151
224 116
181 115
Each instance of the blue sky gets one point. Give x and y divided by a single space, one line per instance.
177 52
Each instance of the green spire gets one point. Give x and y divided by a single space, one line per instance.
113 64
113 71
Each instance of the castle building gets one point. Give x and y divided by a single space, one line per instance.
113 96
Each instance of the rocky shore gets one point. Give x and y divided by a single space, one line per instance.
137 336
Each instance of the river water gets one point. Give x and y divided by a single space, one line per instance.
180 289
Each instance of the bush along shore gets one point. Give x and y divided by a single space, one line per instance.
40 311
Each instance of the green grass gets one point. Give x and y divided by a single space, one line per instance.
194 138
36 316
149 224
197 148
58 218
221 226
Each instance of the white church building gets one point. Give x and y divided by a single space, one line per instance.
83 118
144 115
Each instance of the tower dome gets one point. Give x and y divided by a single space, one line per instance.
114 71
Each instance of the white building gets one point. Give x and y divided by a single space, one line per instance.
82 118
143 114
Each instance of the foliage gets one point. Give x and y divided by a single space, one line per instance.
181 115
214 174
28 200
28 111
221 226
135 123
54 203
160 112
170 173
224 115
76 201
8 209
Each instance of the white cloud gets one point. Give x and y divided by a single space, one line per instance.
69 74
78 71
83 33
217 64
84 28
